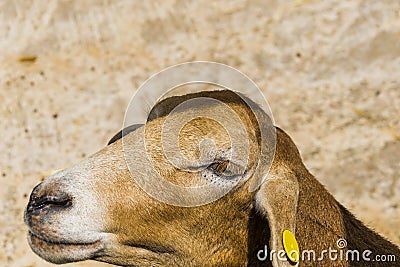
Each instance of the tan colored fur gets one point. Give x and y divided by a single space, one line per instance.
139 230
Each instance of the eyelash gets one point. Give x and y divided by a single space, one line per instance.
214 167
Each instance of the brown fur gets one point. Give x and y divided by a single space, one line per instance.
231 230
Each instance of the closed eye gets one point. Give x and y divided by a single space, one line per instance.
225 169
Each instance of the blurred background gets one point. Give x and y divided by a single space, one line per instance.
329 69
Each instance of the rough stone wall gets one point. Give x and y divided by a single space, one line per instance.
330 70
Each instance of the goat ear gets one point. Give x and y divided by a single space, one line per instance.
277 200
125 131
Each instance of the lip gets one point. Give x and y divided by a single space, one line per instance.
58 243
63 252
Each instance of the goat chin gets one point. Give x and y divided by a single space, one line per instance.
100 209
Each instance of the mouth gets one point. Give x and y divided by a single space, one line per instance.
63 252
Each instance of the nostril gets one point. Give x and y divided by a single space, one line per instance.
37 203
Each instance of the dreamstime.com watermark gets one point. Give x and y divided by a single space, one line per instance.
195 78
340 253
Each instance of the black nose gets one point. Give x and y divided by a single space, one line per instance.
50 200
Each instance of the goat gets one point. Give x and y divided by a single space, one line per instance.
96 210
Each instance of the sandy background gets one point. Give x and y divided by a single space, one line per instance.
330 70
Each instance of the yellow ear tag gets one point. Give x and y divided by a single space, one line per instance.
291 246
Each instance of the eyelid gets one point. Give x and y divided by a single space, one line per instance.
228 164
